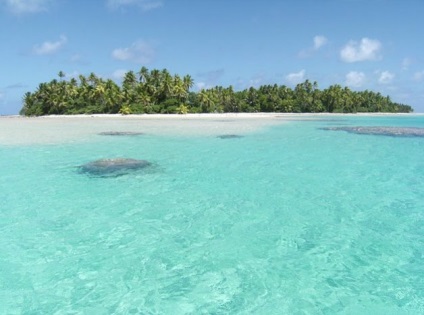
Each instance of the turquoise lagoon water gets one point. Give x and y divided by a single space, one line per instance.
289 219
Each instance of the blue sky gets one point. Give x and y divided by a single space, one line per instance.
363 44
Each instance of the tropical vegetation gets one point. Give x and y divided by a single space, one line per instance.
157 91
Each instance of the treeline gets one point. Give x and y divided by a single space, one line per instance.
157 91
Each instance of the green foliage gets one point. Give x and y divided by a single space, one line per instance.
182 109
169 105
158 91
125 110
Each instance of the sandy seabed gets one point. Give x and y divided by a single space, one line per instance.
18 130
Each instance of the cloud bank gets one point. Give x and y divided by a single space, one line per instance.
26 6
145 5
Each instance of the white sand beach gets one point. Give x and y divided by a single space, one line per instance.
17 130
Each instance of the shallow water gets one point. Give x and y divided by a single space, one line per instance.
288 219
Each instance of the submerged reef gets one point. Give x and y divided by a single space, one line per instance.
120 133
113 167
382 131
229 136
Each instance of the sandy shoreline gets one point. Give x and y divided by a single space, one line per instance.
211 115
19 130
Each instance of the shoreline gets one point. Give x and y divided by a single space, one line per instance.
55 129
61 129
212 115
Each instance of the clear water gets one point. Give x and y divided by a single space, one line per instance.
289 219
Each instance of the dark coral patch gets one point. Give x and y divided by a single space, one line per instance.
229 136
113 167
120 133
382 131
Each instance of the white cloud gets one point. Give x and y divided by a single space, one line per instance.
26 6
74 74
295 78
366 49
201 86
386 77
139 52
145 5
209 79
47 47
119 74
257 80
319 41
75 58
406 62
419 76
78 59
355 79
16 86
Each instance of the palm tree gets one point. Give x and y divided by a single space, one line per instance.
166 86
143 75
179 90
188 82
252 99
128 86
332 98
93 79
28 107
61 75
228 100
154 85
206 102
159 91
113 97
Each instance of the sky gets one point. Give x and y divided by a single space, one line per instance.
363 44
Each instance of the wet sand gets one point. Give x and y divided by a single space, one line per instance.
18 130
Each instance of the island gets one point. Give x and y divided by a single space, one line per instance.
159 92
